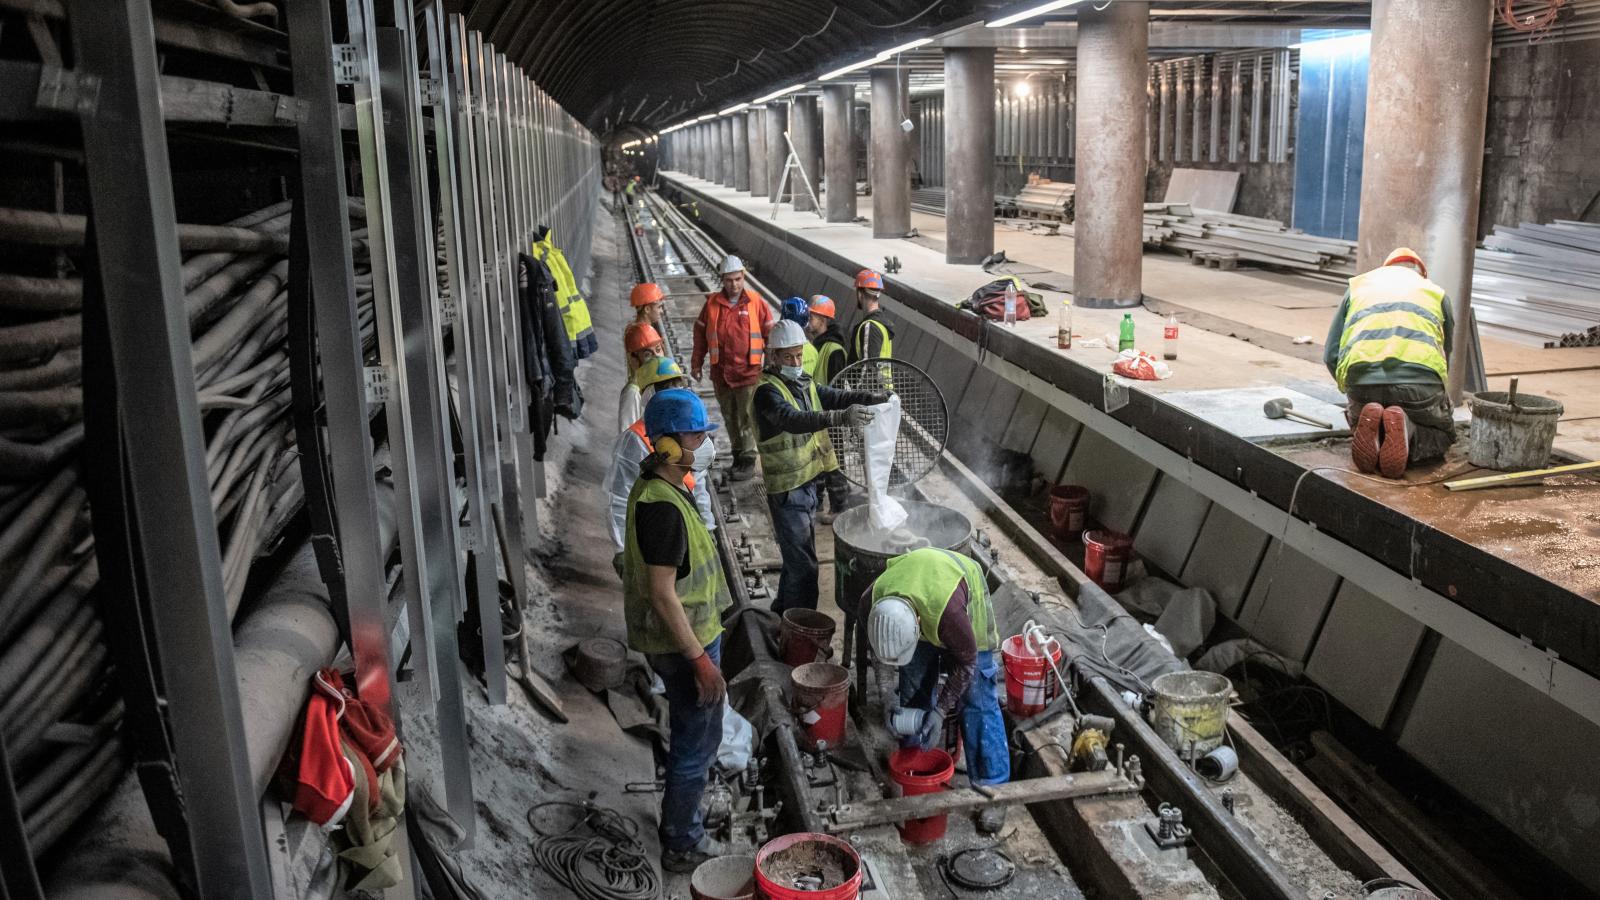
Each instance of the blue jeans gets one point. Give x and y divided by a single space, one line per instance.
696 732
793 524
983 728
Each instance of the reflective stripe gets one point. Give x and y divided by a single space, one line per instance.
574 310
703 592
1394 314
1410 334
1396 306
789 461
926 578
758 341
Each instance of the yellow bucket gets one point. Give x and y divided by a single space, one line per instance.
1190 711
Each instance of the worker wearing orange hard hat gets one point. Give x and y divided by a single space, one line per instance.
872 337
825 334
1388 349
642 343
645 298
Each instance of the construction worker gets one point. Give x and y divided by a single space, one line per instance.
674 594
796 310
574 309
931 613
793 415
822 327
657 374
645 298
633 446
1388 349
642 343
872 336
732 332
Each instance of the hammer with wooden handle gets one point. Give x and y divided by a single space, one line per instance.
1283 408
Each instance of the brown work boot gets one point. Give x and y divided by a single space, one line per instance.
1364 440
1396 448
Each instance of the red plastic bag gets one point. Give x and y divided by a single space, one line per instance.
1140 365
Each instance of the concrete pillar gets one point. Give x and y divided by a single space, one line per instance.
724 150
705 150
741 152
1108 248
803 131
969 154
777 151
839 151
757 129
891 153
1422 162
698 140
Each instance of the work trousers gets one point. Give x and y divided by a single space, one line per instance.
983 727
695 734
738 416
794 525
1426 405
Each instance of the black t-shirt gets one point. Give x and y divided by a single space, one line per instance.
659 529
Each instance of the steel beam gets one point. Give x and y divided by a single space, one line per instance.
129 173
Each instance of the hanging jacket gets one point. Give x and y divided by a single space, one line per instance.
574 309
547 357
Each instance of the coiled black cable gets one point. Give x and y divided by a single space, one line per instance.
598 856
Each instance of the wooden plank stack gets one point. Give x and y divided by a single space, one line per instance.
1540 284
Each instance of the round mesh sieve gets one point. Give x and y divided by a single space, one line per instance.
924 421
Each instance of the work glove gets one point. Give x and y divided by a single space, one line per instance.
932 732
855 416
708 681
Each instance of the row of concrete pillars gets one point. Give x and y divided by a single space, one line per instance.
1422 159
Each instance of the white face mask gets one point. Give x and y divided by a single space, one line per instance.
704 455
793 373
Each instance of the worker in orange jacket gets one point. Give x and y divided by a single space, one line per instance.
732 332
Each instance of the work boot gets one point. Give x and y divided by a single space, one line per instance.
825 517
1396 449
684 862
1364 440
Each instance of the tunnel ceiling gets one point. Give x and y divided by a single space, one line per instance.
655 61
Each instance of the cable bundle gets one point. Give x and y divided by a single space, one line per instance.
606 863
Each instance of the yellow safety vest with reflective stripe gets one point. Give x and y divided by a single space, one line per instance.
574 310
824 355
808 360
886 352
789 460
926 578
703 592
1394 313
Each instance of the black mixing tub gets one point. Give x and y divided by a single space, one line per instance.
860 554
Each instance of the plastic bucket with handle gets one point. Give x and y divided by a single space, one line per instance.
807 866
1106 555
922 772
805 635
1030 686
1069 507
821 698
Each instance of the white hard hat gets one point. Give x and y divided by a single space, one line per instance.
731 265
892 630
785 334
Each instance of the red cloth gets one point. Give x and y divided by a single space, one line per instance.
367 727
325 782
733 368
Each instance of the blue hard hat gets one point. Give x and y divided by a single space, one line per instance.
675 411
796 309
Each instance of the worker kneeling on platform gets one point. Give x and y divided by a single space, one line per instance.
793 414
674 594
931 611
1388 350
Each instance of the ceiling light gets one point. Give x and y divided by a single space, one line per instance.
904 47
732 109
1030 13
776 94
848 69
1022 88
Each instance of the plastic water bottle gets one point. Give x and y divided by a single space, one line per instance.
1169 339
1064 330
1125 338
1011 305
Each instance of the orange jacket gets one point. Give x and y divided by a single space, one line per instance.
734 336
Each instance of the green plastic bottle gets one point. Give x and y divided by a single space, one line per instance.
1125 339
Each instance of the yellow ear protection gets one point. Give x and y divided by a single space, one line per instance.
668 446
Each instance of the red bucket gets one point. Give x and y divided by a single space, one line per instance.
1030 684
922 772
806 866
821 698
1105 558
1069 506
806 634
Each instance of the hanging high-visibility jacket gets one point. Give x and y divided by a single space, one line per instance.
703 591
1397 314
926 578
789 460
574 310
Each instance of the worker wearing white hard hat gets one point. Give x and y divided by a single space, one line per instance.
792 416
731 334
931 613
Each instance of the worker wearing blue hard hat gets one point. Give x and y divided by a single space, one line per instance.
674 594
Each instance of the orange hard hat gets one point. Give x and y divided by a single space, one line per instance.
823 306
640 335
645 294
1406 255
866 279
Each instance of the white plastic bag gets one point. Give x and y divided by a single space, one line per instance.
877 443
738 738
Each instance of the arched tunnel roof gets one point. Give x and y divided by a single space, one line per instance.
653 61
